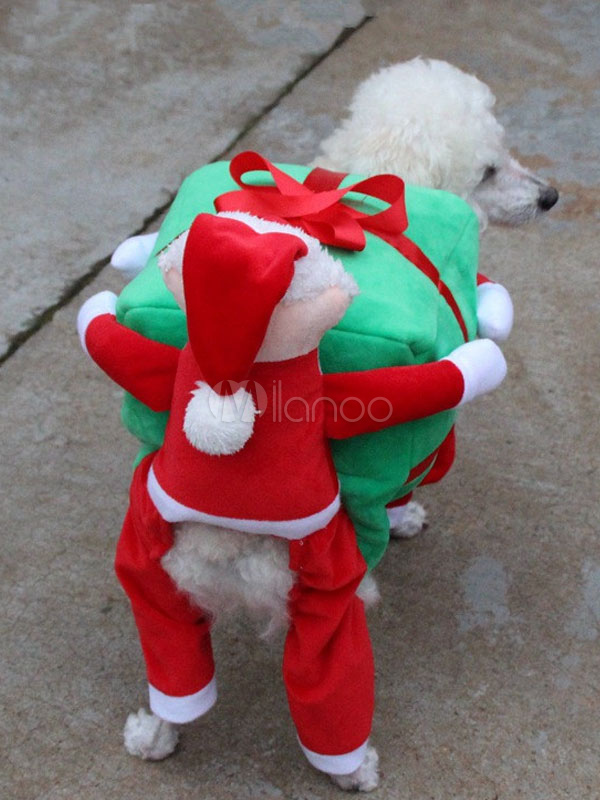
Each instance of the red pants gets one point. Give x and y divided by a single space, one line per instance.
327 662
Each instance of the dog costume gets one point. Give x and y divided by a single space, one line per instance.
257 471
415 261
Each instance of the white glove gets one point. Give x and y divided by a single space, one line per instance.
131 256
96 305
494 312
482 365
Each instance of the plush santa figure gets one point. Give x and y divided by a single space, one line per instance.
246 449
494 321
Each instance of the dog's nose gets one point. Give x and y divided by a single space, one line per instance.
547 198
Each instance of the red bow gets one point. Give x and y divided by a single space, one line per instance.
315 204
316 207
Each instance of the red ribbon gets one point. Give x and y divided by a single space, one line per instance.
316 207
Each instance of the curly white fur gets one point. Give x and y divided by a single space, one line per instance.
433 124
363 779
407 521
147 736
225 570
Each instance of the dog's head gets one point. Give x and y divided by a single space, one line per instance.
509 194
434 125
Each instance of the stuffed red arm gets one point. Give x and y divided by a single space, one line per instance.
365 402
494 310
143 367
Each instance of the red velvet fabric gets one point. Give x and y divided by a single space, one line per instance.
327 661
233 278
316 207
284 471
141 366
444 460
174 635
393 394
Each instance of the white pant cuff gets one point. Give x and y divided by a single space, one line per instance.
337 765
183 709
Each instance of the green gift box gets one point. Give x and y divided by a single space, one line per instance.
401 317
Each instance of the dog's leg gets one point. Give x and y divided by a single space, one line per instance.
149 737
363 779
407 521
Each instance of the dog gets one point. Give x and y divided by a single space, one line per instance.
433 124
206 534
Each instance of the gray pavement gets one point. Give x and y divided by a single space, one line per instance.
106 106
487 641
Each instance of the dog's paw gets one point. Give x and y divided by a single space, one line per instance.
363 779
368 591
407 521
147 736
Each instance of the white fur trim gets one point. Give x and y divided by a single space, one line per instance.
131 256
95 306
173 511
219 425
482 365
368 591
186 708
495 312
337 765
313 273
172 255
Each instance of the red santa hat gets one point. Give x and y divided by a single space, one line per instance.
233 278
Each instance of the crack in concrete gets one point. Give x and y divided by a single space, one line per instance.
72 290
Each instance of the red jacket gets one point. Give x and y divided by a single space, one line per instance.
283 481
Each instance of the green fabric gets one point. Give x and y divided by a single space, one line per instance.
399 318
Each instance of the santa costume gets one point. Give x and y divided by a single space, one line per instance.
239 455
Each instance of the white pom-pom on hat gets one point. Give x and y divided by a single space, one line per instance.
219 424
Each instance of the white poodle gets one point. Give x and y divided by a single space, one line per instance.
432 124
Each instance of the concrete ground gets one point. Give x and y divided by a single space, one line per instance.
487 639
